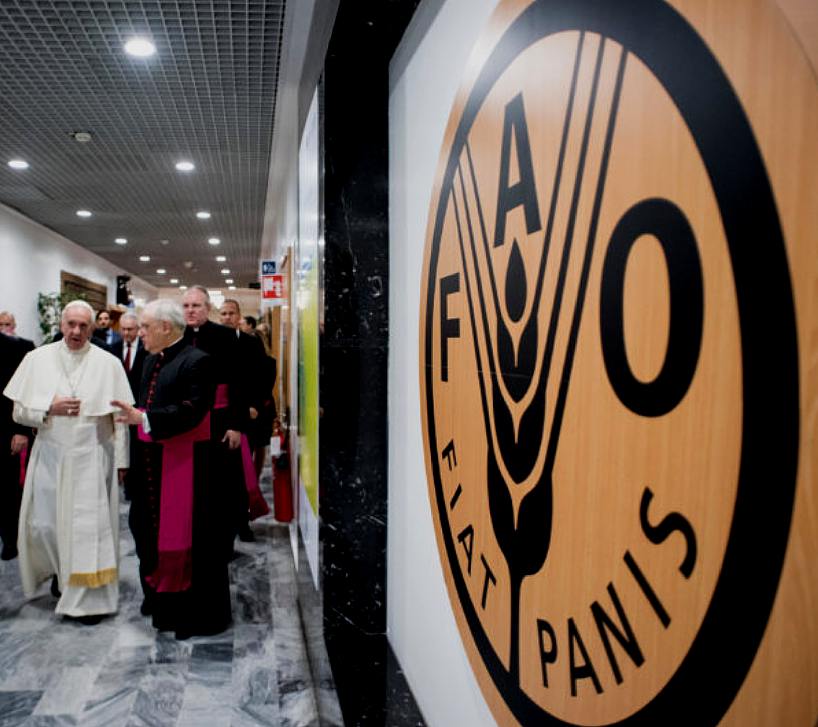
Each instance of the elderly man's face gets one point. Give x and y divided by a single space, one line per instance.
229 315
7 325
128 328
103 320
196 308
77 326
152 333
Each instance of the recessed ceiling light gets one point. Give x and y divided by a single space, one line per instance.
121 241
83 137
83 213
183 287
228 280
221 258
140 47
18 164
231 287
173 281
160 271
185 166
214 240
225 271
203 215
145 258
164 242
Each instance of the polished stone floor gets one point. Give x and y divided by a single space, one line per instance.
122 672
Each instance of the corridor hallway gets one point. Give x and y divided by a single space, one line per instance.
123 672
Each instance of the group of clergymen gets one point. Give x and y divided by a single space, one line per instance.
177 409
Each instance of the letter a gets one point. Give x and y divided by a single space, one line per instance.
524 191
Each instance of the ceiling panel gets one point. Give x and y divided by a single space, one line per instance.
207 95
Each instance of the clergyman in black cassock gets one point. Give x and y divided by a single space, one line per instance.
176 396
229 418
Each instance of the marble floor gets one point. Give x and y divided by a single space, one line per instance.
55 672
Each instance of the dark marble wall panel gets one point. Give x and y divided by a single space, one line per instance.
354 354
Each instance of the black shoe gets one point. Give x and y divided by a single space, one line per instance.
246 535
91 620
55 587
146 609
184 633
9 552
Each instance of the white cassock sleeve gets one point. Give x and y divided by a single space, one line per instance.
28 417
122 454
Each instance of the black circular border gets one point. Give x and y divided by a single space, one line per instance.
709 677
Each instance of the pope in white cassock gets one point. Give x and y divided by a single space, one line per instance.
69 518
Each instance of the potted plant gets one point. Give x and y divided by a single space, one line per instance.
49 308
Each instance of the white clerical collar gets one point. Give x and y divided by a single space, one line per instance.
72 352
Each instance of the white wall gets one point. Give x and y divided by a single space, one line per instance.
31 259
420 620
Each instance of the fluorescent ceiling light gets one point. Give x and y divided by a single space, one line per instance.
225 271
145 258
203 215
214 240
228 280
83 213
173 281
221 258
140 47
18 164
185 166
160 271
121 241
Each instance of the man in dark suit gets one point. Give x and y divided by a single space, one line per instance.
8 325
131 352
230 417
103 331
182 539
258 393
14 441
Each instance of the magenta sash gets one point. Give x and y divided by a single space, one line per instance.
174 568
23 456
256 503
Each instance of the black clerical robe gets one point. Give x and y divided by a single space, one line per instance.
259 368
221 344
12 351
231 380
177 393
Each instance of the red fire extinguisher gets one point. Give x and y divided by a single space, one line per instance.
282 480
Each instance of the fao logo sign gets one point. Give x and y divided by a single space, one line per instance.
609 370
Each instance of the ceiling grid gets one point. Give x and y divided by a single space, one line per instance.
207 95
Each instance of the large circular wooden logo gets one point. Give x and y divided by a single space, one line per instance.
609 370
